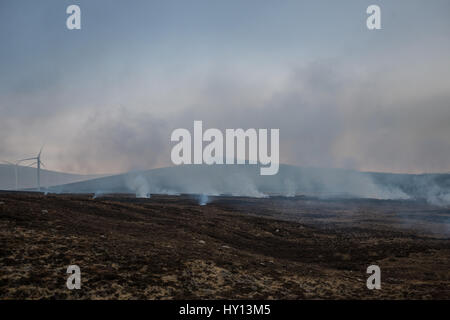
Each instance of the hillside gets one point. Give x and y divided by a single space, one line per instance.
27 177
290 181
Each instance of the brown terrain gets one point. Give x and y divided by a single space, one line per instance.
169 247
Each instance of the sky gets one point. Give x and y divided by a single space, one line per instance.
105 99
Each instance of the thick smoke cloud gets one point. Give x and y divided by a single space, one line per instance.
329 115
119 139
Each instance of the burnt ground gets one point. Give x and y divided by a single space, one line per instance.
169 247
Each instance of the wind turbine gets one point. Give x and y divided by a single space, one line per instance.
38 162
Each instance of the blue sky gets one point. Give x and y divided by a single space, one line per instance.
105 98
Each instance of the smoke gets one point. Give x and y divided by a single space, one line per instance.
245 181
203 199
352 110
435 194
435 189
330 114
439 199
290 188
242 184
167 192
432 188
203 181
98 194
139 185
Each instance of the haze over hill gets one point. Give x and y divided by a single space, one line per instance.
245 180
27 177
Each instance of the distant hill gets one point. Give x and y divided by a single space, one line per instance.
245 180
27 177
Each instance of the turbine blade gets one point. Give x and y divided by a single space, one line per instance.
40 151
34 158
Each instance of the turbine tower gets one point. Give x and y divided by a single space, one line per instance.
38 162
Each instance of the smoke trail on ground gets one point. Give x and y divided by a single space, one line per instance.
245 181
203 200
139 185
